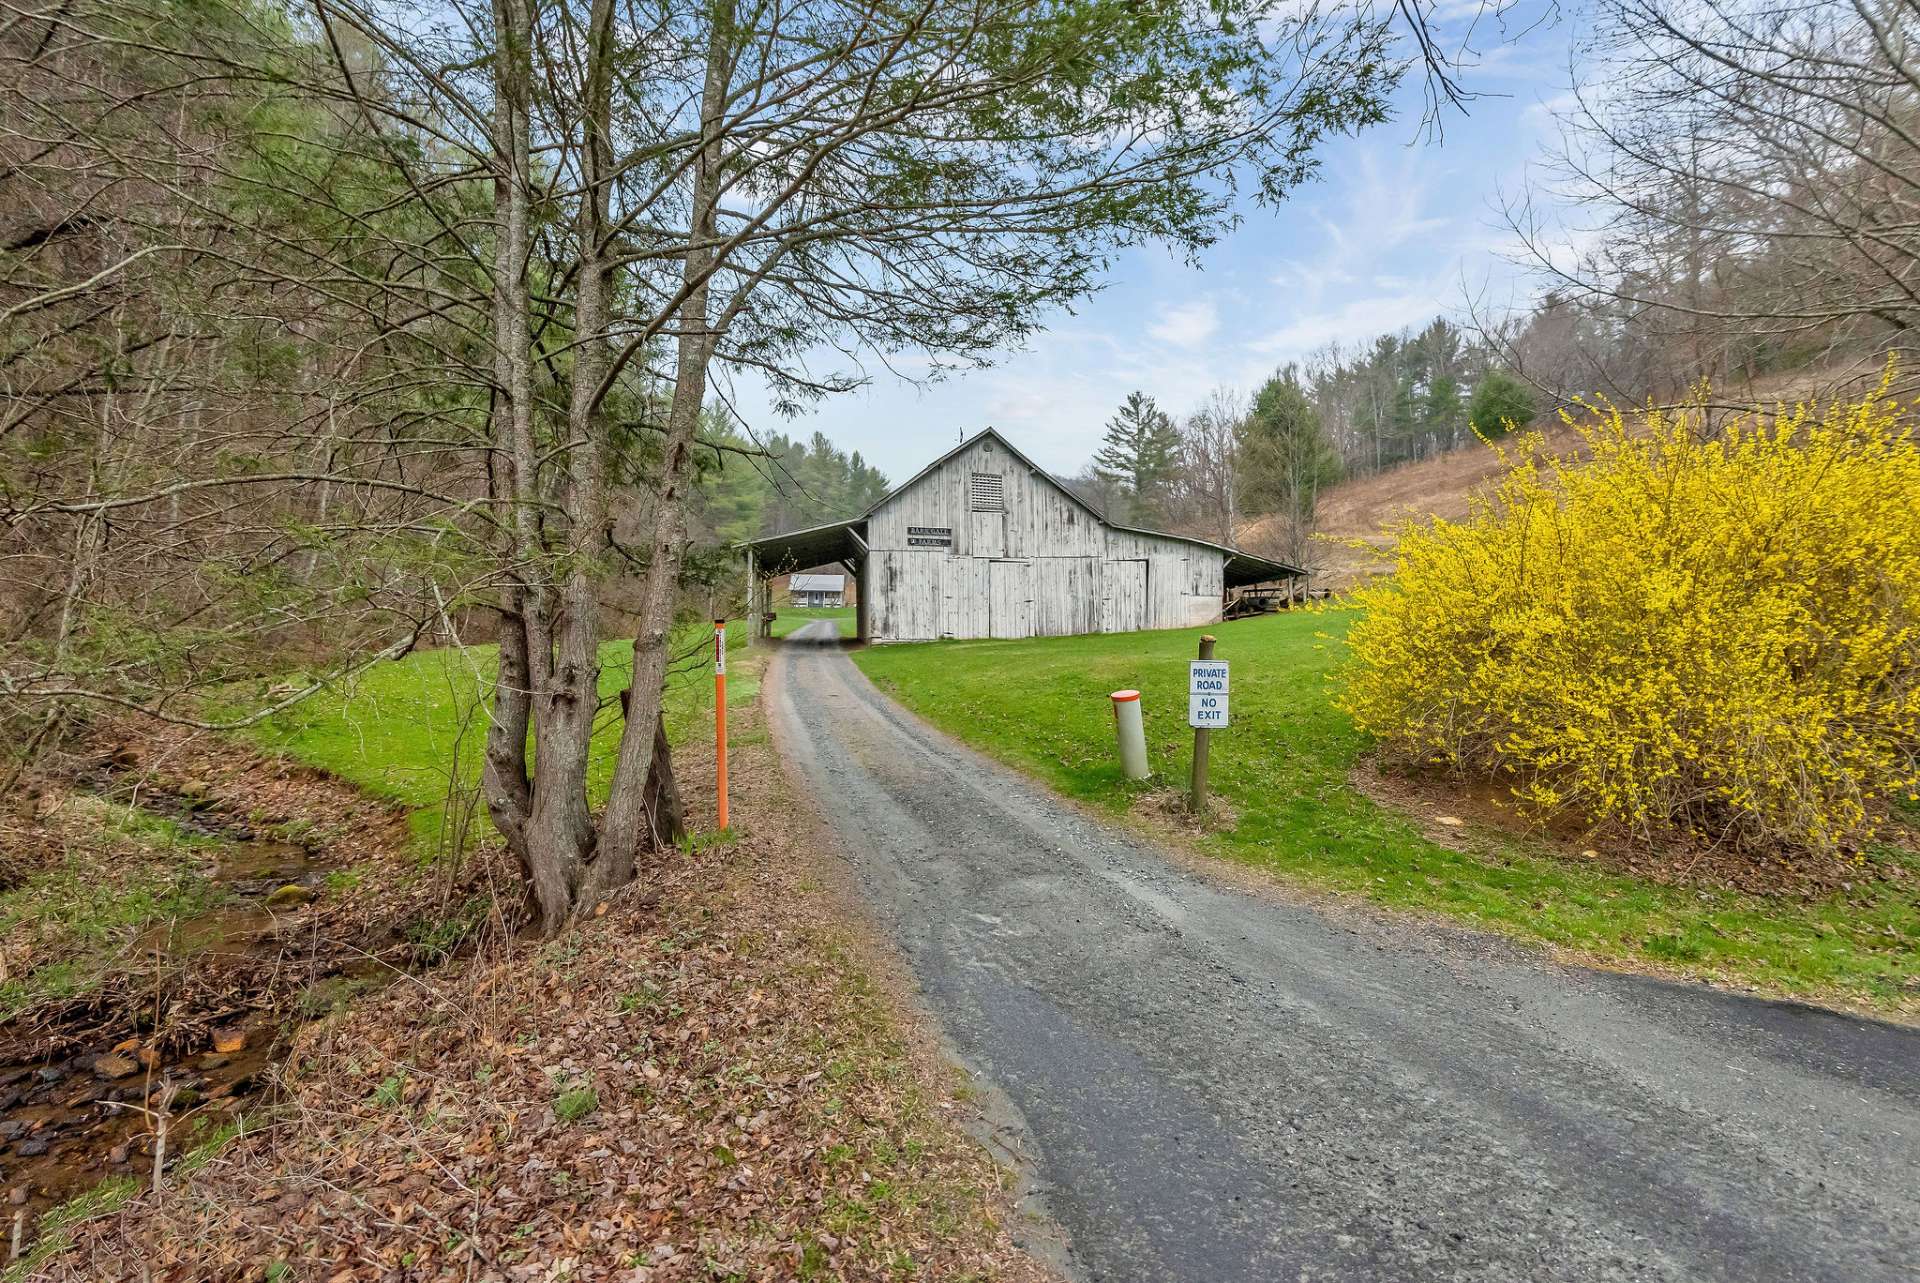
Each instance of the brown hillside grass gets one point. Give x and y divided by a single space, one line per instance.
1354 541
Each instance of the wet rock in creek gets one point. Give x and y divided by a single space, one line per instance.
290 896
112 1066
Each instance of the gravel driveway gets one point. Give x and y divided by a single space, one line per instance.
1221 1085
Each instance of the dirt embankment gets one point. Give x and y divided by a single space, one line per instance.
702 1082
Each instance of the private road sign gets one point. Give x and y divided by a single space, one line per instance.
1207 693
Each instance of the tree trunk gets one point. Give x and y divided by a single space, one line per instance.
622 824
524 654
665 814
569 861
562 839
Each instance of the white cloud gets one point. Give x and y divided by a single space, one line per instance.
1393 235
1187 325
1353 321
1379 208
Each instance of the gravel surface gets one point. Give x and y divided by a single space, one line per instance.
1223 1085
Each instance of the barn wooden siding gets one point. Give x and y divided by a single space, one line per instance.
1041 566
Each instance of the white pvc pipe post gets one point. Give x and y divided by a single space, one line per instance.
1132 735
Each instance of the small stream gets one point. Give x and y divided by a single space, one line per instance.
69 1122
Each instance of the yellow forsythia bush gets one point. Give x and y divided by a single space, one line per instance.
1714 630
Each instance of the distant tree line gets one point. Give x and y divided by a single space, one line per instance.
1347 411
1749 179
751 488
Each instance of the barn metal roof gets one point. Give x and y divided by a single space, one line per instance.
845 540
812 546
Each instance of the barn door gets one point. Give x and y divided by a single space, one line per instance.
987 515
1126 597
964 597
1010 599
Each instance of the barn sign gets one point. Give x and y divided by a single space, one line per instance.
929 536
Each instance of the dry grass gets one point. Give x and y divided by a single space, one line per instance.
1353 539
1354 518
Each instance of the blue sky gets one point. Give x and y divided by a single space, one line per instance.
1395 231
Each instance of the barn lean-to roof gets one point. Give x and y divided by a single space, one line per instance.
842 540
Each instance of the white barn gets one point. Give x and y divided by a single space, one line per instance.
983 543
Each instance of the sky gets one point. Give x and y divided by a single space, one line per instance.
1398 228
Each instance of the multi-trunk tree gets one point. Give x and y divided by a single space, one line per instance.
749 185
558 230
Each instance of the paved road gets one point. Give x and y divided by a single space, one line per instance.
1223 1086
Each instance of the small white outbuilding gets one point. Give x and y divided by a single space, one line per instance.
983 543
817 590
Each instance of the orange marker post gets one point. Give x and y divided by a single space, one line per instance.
720 713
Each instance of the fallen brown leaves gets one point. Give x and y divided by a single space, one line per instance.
180 1007
183 992
252 790
698 1084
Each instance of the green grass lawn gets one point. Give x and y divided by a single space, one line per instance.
403 730
788 618
1283 766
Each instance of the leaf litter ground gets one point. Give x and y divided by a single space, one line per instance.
704 1082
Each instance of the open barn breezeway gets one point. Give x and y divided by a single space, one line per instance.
1216 1083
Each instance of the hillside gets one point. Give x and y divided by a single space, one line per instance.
1363 510
1352 540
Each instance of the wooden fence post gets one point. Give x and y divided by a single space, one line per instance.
1197 796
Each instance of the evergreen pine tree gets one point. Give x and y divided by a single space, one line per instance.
1286 460
1139 455
1500 403
1445 411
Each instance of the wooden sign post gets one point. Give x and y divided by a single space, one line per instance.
720 716
1206 709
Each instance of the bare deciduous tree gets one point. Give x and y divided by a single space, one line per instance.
1754 175
1209 465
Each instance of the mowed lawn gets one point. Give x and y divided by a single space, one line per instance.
788 618
1283 766
404 730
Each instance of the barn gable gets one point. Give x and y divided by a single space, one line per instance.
984 543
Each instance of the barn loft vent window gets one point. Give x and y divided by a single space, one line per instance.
988 492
